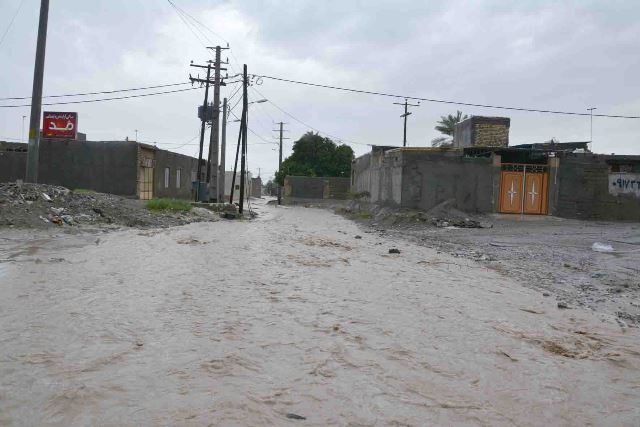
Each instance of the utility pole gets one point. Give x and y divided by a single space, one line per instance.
223 153
405 115
212 160
591 124
245 110
33 151
280 160
204 119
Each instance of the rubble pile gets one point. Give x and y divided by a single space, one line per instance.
25 205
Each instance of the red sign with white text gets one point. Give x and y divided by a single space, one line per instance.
56 124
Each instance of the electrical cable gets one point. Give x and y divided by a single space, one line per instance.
11 22
98 93
105 99
441 101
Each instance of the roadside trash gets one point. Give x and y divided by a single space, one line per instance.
358 237
68 219
562 305
295 417
56 211
546 294
55 219
394 251
601 247
46 197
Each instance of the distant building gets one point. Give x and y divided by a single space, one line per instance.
228 180
256 187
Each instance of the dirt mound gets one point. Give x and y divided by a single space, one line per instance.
41 206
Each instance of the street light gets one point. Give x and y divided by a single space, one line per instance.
259 101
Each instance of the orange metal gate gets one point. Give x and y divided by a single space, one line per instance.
523 189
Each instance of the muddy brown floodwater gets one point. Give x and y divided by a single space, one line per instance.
289 316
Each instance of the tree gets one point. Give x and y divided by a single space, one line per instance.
270 188
441 141
314 155
447 124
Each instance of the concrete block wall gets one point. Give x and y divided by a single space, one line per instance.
583 190
310 187
188 167
431 177
13 161
103 166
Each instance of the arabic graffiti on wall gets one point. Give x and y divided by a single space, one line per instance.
624 183
57 124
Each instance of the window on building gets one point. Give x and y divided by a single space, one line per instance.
178 173
166 177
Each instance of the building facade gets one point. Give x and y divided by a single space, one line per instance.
124 168
561 179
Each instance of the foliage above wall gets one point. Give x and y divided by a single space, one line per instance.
314 155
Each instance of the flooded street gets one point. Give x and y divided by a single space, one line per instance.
251 323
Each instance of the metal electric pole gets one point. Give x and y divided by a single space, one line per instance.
405 115
591 125
243 161
33 152
204 120
280 130
212 159
223 153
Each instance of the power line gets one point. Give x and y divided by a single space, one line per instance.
104 99
441 101
252 131
98 93
11 22
314 129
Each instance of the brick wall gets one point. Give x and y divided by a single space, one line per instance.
491 134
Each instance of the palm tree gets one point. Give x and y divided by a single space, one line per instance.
447 124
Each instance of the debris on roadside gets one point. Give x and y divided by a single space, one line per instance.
292 416
394 251
27 205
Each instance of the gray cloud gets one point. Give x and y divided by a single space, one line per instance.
566 56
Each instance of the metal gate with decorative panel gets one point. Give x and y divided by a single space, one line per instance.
523 188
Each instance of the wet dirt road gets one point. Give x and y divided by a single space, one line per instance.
242 323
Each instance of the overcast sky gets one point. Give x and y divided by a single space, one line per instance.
543 55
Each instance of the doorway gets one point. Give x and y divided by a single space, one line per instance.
524 188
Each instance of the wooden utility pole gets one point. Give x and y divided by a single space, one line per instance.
405 115
280 130
223 153
33 152
204 121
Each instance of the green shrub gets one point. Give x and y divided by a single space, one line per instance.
168 205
